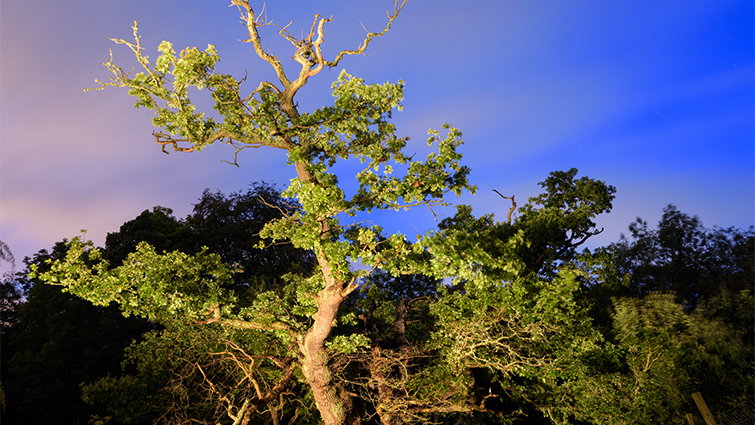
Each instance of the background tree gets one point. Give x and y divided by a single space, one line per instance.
10 298
546 233
56 342
517 317
677 307
682 256
231 226
10 290
657 355
157 227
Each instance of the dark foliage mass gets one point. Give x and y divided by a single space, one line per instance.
532 330
52 342
682 256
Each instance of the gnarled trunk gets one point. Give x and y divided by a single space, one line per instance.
314 359
332 403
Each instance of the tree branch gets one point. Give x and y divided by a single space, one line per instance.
243 324
252 22
513 204
396 10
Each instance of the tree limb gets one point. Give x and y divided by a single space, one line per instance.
243 324
513 204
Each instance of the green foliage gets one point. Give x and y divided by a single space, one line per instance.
162 288
661 356
193 372
363 133
164 87
169 288
560 219
515 330
503 341
504 326
348 344
549 229
684 315
230 226
381 297
737 309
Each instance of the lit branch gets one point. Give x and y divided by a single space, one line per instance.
243 324
252 22
513 204
396 10
306 47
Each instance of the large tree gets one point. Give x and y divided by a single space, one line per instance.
516 320
192 288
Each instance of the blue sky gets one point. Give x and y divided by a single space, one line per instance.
653 97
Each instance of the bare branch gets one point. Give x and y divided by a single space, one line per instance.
309 52
221 135
252 22
396 10
513 204
6 254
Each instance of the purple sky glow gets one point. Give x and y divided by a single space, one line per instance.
653 97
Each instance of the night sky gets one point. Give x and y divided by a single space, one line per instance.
653 97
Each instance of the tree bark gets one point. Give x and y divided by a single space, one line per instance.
332 404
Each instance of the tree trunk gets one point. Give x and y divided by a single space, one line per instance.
332 404
380 371
315 359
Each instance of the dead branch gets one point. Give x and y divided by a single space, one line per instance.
252 23
309 51
513 204
396 10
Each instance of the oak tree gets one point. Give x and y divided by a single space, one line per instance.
190 288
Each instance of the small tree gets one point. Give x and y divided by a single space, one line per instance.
179 287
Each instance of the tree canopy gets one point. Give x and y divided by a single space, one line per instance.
501 343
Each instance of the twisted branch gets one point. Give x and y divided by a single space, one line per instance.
309 53
513 204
